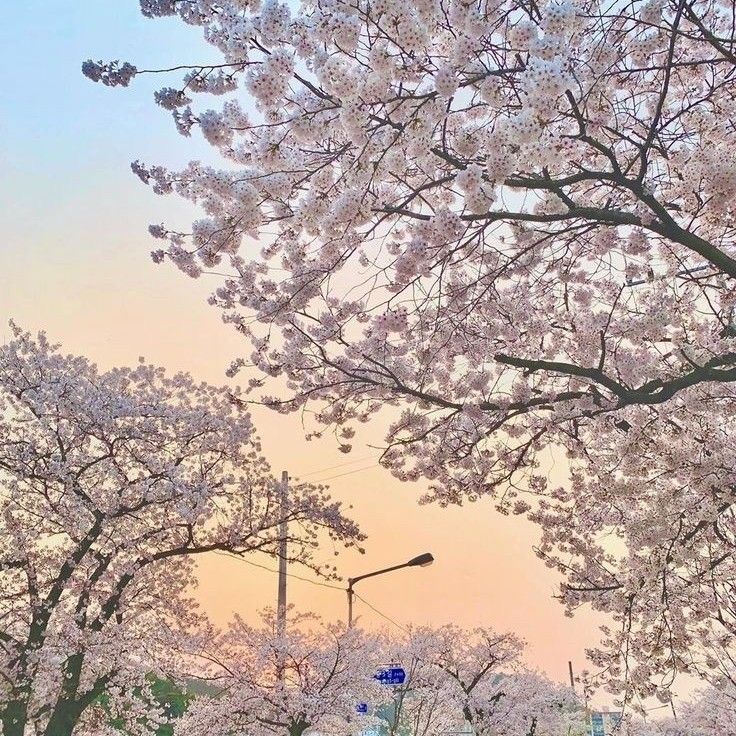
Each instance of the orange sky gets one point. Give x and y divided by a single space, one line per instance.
102 297
74 261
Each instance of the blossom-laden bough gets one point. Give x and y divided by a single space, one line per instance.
512 224
111 483
712 712
312 678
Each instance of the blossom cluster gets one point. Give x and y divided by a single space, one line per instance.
513 223
112 483
313 676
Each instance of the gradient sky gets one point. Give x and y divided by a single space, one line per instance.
74 261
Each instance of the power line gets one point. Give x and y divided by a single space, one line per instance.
380 613
276 572
339 465
349 472
316 582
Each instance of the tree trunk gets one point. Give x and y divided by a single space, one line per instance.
68 711
298 728
64 718
14 716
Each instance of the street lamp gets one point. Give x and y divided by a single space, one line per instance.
420 561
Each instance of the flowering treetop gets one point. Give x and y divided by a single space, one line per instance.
711 713
313 677
513 222
109 484
459 676
267 681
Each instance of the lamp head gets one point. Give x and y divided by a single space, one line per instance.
421 561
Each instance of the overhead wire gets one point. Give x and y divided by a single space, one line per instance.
349 472
380 613
276 572
316 582
339 465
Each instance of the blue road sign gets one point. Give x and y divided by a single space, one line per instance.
362 707
391 676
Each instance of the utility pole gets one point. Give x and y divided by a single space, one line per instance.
350 603
572 677
283 530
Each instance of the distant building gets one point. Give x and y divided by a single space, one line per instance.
603 723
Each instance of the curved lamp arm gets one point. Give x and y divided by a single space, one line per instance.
422 560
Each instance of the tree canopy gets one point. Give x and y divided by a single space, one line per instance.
110 484
511 223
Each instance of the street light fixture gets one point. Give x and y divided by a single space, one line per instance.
422 560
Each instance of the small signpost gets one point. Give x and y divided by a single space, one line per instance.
393 675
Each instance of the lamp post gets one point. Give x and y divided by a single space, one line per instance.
422 560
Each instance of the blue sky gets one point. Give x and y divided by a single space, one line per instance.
58 118
74 217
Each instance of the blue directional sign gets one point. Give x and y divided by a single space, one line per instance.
362 707
391 676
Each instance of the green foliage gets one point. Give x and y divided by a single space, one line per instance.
166 694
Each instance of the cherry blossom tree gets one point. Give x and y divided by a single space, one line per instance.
310 677
110 484
430 700
508 226
711 713
458 678
313 677
714 711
